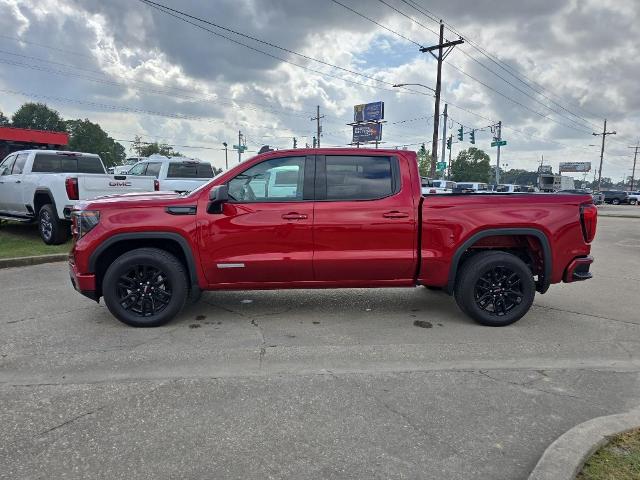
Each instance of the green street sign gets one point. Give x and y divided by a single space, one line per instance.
501 143
441 165
242 148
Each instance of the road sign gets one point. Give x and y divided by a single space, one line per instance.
500 143
575 166
367 133
441 165
368 112
242 148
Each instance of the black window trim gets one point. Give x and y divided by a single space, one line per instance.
321 177
308 181
15 161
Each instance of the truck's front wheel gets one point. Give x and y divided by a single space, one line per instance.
495 288
53 231
145 287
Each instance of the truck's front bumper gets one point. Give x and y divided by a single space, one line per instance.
83 283
578 269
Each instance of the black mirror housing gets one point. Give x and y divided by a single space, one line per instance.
218 196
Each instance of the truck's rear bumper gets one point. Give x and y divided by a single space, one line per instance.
83 283
578 269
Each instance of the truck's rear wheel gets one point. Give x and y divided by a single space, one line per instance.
145 287
495 288
53 231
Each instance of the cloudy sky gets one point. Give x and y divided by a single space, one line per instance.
550 70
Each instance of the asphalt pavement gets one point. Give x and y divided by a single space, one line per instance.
312 384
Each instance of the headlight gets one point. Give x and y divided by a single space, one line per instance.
83 222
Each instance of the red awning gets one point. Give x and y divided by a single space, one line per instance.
26 135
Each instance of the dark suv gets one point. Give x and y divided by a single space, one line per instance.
615 197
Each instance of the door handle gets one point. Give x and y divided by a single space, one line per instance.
395 214
294 216
18 181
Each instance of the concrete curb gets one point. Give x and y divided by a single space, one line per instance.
612 215
564 458
36 260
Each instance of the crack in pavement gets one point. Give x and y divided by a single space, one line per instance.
49 315
602 317
263 349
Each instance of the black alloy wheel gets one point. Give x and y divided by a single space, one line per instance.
145 287
498 291
144 290
495 288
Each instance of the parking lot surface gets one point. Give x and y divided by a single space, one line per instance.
312 384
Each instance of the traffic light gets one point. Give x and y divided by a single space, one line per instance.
460 133
449 143
472 136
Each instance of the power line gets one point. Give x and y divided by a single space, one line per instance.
378 24
181 16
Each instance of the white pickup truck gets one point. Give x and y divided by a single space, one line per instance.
177 174
44 185
430 187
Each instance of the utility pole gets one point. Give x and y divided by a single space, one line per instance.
604 134
444 135
450 143
226 156
295 142
499 139
241 147
633 172
436 114
318 127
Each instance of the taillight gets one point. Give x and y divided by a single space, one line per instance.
71 184
589 220
156 185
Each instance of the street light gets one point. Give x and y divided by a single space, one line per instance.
413 84
226 158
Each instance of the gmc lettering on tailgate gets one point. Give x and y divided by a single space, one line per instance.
119 184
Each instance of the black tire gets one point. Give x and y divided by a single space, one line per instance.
145 287
53 231
495 288
633 202
615 201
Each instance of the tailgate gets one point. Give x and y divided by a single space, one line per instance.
92 186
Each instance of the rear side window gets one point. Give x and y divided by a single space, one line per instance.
153 169
18 167
7 165
189 170
359 177
53 163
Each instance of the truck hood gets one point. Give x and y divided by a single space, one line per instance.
134 200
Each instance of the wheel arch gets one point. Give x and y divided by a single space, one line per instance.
41 197
541 286
116 245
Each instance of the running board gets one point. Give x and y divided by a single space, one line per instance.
16 219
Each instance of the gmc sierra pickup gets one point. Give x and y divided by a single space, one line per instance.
327 218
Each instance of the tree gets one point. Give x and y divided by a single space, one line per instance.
472 165
424 161
89 137
4 121
145 149
39 117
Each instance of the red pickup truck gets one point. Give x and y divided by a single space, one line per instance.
327 218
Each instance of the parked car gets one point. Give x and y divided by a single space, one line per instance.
474 187
177 174
508 188
615 197
44 185
430 187
126 165
356 218
634 198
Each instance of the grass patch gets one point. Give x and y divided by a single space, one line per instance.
617 460
23 240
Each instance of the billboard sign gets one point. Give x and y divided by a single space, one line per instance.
367 133
575 166
545 169
368 112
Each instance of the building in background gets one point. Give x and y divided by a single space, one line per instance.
13 139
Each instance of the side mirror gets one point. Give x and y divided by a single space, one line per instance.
218 196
